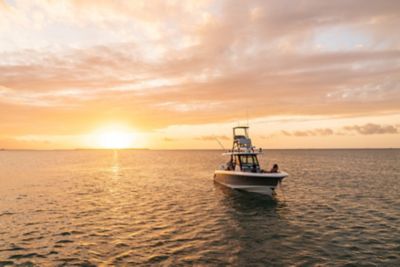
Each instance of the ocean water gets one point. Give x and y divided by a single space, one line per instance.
65 208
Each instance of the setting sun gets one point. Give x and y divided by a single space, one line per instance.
114 135
115 139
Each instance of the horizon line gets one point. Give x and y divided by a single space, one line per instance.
191 149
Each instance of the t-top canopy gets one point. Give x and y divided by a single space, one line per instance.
240 131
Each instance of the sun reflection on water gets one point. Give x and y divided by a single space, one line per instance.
115 165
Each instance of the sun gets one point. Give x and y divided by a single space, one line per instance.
114 136
115 139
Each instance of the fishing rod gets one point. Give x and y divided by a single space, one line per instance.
220 144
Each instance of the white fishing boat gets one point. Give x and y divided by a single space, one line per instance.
243 170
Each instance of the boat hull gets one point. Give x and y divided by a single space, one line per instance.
262 183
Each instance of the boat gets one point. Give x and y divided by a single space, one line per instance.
243 171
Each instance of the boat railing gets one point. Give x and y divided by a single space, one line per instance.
243 151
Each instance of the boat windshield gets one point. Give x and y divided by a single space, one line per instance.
249 163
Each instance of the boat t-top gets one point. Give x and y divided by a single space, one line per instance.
243 169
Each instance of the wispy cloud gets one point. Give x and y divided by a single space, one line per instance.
314 132
367 129
371 128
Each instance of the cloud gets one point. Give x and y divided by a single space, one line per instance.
367 129
324 132
371 128
3 5
168 139
314 132
301 133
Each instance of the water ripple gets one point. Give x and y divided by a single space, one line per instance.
162 208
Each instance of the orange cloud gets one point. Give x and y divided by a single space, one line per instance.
314 132
108 85
372 128
367 129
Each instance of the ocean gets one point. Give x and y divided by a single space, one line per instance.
149 208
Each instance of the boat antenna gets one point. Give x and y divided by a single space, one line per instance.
220 144
247 116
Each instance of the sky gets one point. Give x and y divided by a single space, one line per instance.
179 74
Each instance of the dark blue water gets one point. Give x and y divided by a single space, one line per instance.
337 207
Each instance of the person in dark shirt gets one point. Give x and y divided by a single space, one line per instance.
254 168
275 168
230 166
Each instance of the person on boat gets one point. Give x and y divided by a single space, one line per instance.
275 168
254 168
230 166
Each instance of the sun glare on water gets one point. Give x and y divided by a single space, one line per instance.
115 139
